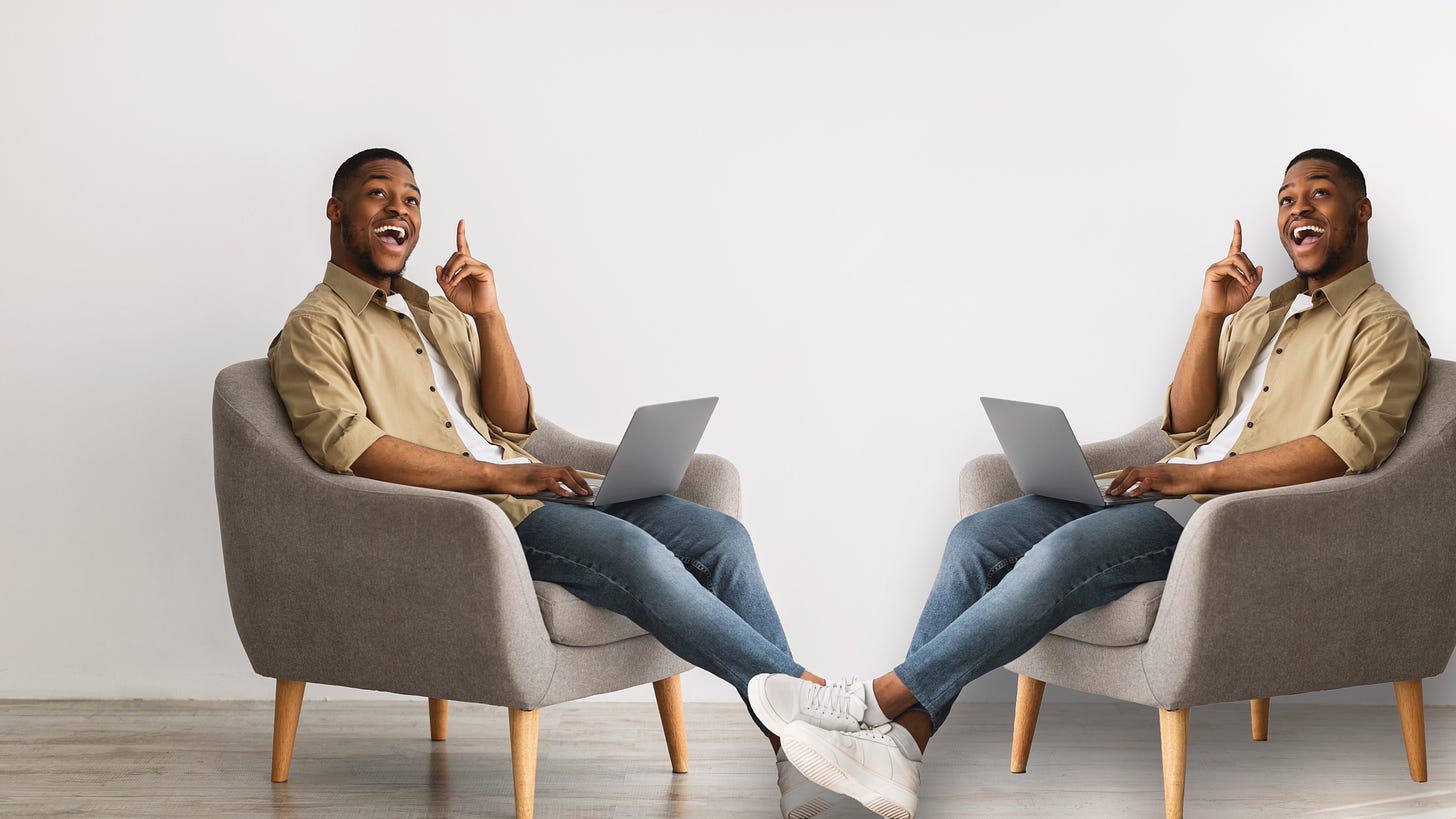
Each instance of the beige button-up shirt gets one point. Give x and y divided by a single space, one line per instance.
350 370
1347 371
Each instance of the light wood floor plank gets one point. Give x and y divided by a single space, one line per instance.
190 759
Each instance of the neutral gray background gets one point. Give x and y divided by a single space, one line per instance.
849 220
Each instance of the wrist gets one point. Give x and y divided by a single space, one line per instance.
488 316
1206 316
490 475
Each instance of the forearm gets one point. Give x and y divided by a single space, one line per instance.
503 390
1195 384
1299 461
398 461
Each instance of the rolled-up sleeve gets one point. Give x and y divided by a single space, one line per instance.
310 364
1386 372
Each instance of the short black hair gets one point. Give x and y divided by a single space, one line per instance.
345 174
1347 166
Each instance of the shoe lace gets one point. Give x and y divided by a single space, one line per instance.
836 697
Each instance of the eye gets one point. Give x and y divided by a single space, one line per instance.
376 192
1286 200
1321 192
412 200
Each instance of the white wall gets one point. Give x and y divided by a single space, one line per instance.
847 219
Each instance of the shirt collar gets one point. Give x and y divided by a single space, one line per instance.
1340 293
357 293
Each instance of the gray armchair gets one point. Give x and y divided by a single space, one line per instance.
1343 582
347 581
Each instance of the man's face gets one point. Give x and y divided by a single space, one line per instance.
1320 216
379 218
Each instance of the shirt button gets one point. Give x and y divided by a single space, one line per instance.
466 454
448 425
1279 351
419 351
432 389
1251 425
1231 454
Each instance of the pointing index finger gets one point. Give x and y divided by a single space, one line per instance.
1236 246
460 243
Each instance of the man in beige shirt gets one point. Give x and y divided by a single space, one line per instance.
1314 381
383 381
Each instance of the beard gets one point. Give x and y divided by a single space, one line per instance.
1337 257
359 245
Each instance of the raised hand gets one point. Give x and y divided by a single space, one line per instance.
468 283
1230 283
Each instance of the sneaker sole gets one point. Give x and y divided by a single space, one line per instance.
810 809
824 771
758 701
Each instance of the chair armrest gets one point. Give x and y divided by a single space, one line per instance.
987 480
1145 445
711 480
553 444
1341 582
377 585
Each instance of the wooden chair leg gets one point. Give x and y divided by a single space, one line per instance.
287 702
670 709
1028 706
525 727
1174 726
1259 719
439 715
1409 703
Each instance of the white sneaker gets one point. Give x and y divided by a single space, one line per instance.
778 699
867 766
800 798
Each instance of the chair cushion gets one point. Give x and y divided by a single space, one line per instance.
572 621
1126 621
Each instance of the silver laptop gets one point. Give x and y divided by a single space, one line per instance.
1045 456
653 455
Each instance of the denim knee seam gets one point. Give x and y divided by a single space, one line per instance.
641 605
952 688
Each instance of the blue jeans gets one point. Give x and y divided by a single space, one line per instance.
685 573
1014 572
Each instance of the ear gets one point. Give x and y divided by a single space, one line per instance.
334 210
1363 210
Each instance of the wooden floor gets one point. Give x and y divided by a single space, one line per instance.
360 759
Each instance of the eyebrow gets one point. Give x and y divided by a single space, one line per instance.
1311 176
388 178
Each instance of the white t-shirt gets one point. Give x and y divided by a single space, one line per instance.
1218 448
449 392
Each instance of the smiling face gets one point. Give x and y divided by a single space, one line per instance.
1322 220
376 220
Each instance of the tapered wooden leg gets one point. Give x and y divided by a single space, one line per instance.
1028 706
1175 759
287 702
669 707
1409 703
1259 719
439 715
525 726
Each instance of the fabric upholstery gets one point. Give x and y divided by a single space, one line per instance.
343 580
1125 621
1343 582
572 621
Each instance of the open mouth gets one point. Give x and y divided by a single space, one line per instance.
392 235
1306 235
